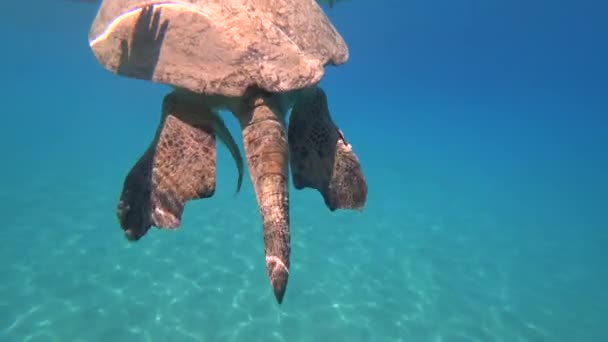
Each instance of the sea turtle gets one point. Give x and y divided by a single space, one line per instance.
255 58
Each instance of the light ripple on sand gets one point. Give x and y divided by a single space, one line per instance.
429 274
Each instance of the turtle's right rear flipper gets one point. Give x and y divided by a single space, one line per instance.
179 165
320 156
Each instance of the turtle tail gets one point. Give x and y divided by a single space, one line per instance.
265 142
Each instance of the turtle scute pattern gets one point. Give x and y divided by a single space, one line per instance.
179 165
320 156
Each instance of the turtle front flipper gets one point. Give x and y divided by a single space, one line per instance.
320 157
179 165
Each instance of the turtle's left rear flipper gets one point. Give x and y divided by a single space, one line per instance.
179 165
320 156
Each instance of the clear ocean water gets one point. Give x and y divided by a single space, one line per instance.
482 130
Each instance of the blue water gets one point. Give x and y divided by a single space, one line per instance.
482 131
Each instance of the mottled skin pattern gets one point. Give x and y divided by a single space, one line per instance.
265 142
178 166
320 156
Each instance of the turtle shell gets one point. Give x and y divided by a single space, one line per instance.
217 46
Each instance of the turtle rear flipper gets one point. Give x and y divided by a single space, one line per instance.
223 133
179 165
320 156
